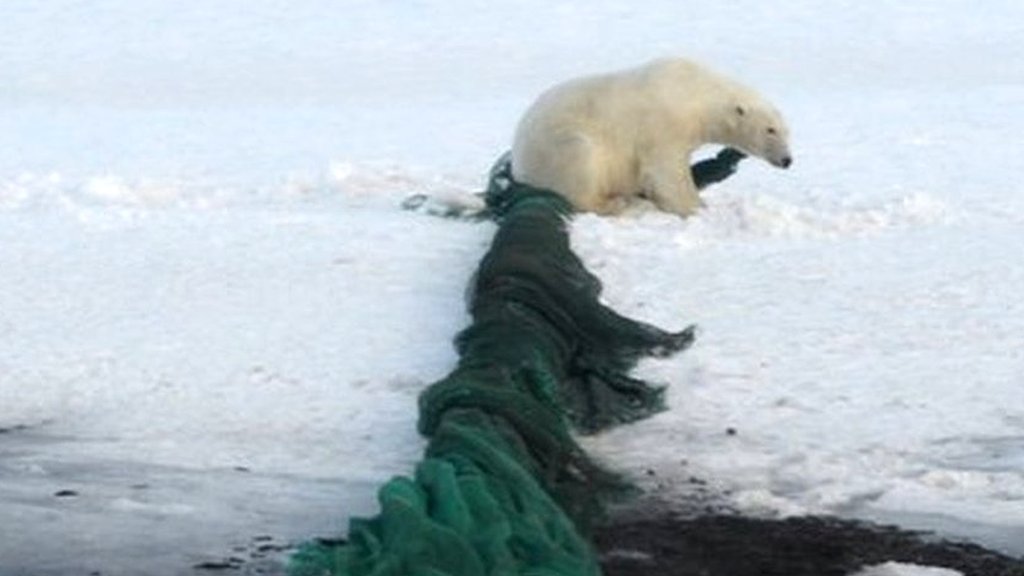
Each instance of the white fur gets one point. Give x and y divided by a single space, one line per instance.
601 141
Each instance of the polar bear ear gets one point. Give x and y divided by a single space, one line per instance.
740 110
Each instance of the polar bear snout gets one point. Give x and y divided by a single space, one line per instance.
779 160
778 154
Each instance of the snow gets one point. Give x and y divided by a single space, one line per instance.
901 569
217 319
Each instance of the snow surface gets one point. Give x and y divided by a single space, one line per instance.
217 320
901 569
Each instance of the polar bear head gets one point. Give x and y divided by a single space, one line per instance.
757 128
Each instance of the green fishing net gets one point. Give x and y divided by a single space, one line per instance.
504 488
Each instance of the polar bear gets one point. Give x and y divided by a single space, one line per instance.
602 141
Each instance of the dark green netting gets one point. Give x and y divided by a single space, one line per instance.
504 488
714 170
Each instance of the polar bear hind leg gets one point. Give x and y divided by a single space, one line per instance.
669 184
576 168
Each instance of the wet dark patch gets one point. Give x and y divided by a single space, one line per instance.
262 555
337 541
729 545
216 565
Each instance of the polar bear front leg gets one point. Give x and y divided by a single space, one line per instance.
670 186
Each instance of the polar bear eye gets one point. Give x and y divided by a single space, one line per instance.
772 131
740 111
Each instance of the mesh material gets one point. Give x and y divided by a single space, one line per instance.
504 488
